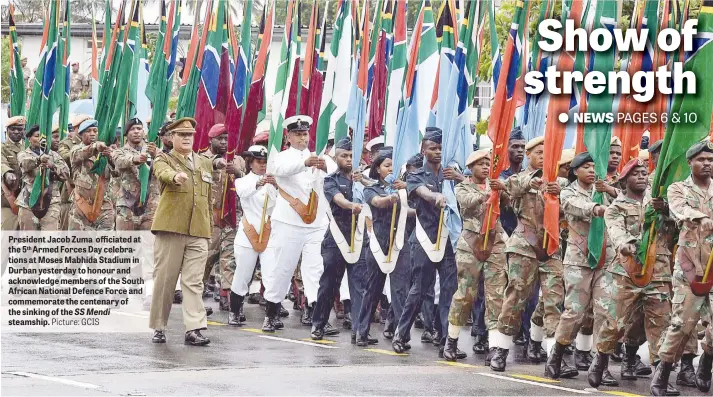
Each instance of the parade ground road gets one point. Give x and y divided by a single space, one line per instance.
244 361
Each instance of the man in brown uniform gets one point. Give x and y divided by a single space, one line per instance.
78 83
223 235
65 146
10 172
32 162
131 161
92 207
691 204
182 225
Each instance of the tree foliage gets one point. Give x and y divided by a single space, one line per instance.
6 56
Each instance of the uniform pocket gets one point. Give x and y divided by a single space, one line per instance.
205 187
678 298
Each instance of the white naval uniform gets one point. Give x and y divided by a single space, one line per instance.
290 235
252 200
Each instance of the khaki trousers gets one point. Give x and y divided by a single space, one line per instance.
176 254
9 220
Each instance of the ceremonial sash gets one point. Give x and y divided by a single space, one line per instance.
254 235
398 244
343 244
91 211
307 214
430 248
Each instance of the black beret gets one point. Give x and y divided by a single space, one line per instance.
164 127
516 134
433 134
344 144
129 124
655 147
703 146
32 130
415 161
580 159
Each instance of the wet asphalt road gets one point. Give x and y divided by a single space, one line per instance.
244 361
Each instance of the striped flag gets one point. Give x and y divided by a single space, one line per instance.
356 112
396 75
95 58
63 76
110 63
495 56
313 72
536 105
504 106
139 105
33 113
162 73
379 70
18 94
291 103
447 39
188 94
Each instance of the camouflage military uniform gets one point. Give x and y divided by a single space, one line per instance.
587 289
65 146
27 74
471 200
129 214
9 163
221 249
78 84
523 265
688 204
85 185
29 163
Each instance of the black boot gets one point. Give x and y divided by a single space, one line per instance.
521 339
628 363
317 333
451 348
489 356
582 359
554 362
659 382
686 375
307 315
347 324
618 352
567 371
641 368
270 311
479 345
242 313
436 338
497 363
703 375
608 379
533 351
427 337
236 307
596 370
276 320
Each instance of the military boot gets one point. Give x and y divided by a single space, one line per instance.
451 349
703 375
236 307
617 356
582 359
533 351
554 361
628 363
596 370
306 319
270 311
480 345
497 362
659 382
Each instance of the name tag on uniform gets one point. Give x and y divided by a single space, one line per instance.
206 177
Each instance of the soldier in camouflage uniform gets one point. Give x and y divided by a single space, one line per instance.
32 161
10 170
130 213
78 83
472 197
586 288
87 183
221 249
691 205
65 146
526 189
614 160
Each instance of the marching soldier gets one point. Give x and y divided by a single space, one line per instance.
690 204
299 220
32 163
344 244
10 170
78 83
92 206
182 226
429 256
223 236
133 213
26 74
65 147
614 160
527 261
585 288
472 258
257 192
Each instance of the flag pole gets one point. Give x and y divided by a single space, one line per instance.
351 247
440 230
262 219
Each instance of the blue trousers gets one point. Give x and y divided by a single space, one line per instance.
399 280
423 276
334 268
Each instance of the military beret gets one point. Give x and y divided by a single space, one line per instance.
344 143
656 146
87 124
386 152
162 130
131 123
633 163
17 120
516 134
32 130
78 119
433 134
534 142
643 155
185 124
55 127
297 123
644 142
615 141
566 158
217 130
415 161
698 147
477 155
262 137
256 152
580 159
379 140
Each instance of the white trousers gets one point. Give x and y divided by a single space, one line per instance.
245 262
283 251
344 287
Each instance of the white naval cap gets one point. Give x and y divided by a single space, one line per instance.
297 123
379 140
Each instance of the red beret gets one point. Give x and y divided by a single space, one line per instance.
262 137
633 163
217 130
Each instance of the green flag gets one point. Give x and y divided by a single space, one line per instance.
680 136
597 136
62 81
18 96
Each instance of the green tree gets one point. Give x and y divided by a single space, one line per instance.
6 55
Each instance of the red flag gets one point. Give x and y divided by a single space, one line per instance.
295 84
